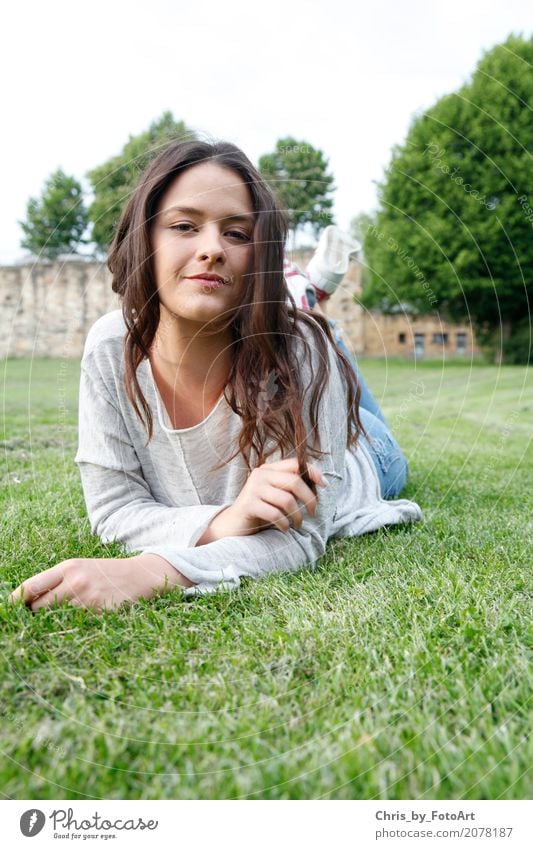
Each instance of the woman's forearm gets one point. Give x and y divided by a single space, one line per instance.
225 524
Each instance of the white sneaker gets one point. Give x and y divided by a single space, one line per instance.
331 259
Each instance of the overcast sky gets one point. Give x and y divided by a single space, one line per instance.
346 77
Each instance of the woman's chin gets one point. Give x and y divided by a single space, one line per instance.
207 311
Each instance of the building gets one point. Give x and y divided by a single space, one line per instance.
369 333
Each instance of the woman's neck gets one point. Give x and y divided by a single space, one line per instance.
191 364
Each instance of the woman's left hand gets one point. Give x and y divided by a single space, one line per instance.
101 583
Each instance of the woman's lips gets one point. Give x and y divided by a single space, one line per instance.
208 282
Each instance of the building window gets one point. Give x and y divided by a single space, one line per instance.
440 338
401 338
420 344
461 343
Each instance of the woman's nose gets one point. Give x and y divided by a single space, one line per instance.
210 245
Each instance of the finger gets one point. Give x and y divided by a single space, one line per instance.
316 475
273 516
284 502
291 465
288 465
58 595
34 587
295 484
305 495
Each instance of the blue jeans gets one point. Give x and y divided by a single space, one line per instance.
391 466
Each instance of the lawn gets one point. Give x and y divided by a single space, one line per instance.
397 669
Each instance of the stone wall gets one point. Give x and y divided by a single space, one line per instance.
47 310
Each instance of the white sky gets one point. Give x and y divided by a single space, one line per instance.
344 76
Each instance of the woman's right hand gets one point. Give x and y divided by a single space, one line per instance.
269 498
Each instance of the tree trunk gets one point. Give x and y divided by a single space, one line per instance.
507 327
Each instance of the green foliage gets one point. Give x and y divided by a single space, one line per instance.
514 342
360 225
298 173
114 180
56 221
518 347
454 231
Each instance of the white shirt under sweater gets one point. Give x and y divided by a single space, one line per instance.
159 498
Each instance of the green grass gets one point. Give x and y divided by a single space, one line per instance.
396 669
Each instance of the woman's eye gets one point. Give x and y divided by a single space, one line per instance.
182 227
186 227
236 234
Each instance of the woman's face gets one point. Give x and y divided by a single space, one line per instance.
203 226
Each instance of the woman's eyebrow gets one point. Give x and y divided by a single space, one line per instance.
190 210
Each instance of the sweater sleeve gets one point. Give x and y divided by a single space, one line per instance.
221 564
119 502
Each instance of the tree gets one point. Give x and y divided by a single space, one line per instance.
298 174
56 221
114 181
360 224
359 227
453 232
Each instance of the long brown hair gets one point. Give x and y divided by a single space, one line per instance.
263 329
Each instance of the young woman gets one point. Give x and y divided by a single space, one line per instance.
220 429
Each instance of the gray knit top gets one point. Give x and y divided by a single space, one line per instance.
160 497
